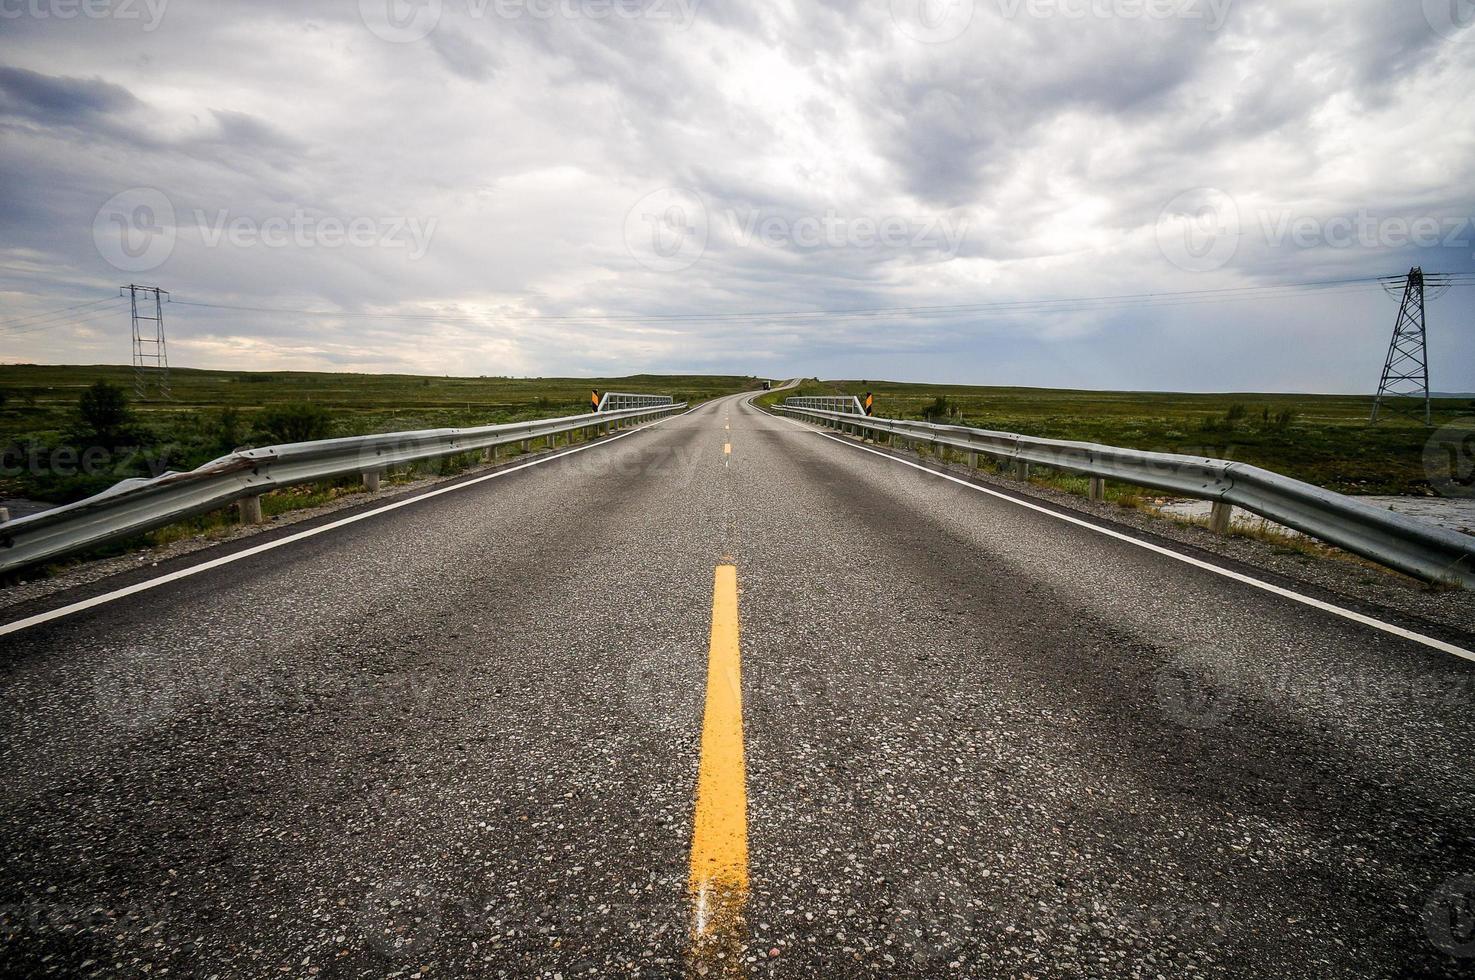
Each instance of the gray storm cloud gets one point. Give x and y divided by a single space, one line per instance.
510 173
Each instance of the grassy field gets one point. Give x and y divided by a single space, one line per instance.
212 412
1322 439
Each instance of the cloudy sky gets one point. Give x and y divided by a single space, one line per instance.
580 187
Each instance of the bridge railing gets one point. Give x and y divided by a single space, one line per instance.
845 404
1414 547
133 507
616 401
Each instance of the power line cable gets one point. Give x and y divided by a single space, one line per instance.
48 314
1067 304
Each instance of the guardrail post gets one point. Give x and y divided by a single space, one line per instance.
1098 489
552 440
1220 516
1021 469
4 514
525 445
250 509
972 461
489 454
371 480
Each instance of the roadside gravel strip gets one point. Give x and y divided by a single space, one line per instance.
462 739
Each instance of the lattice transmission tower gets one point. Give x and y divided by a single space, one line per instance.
1406 370
150 352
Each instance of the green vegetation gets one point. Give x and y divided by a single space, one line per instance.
68 432
1322 439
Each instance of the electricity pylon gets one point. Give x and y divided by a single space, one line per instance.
149 350
1406 371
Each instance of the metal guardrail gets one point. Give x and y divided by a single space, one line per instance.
135 506
615 401
1411 546
846 404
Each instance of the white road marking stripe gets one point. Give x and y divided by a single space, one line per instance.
1307 600
106 597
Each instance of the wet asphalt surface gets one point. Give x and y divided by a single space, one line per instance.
461 739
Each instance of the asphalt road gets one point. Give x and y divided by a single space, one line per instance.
462 738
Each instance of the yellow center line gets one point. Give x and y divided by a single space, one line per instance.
718 886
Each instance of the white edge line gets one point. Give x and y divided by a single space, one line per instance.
205 566
1306 600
